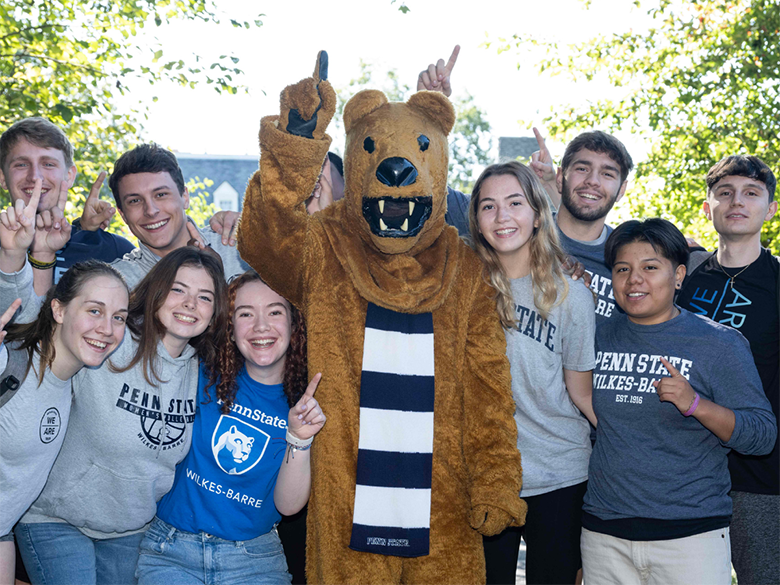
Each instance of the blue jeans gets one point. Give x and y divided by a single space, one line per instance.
56 553
176 557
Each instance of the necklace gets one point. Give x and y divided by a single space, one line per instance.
731 278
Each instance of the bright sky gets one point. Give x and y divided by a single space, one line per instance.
284 49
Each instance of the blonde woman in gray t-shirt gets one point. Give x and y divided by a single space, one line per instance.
549 324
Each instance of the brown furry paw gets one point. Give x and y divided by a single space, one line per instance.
308 106
489 520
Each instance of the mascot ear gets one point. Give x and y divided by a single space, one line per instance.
362 104
436 107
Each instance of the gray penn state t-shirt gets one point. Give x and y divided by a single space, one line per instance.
552 436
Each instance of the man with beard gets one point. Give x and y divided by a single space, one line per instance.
591 179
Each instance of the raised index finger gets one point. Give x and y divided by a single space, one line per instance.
35 198
673 372
539 139
195 234
94 192
321 68
453 58
64 187
312 387
9 312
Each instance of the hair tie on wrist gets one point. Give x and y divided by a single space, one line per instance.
694 404
295 444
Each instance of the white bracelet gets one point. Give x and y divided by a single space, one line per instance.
296 442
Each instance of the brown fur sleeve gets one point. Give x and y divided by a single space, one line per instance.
490 437
275 236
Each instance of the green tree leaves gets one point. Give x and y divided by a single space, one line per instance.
703 82
69 60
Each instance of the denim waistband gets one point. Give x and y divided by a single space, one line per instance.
171 532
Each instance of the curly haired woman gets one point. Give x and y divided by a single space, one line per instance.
249 459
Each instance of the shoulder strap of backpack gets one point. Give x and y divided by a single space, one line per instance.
13 375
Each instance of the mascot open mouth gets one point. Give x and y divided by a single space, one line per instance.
396 217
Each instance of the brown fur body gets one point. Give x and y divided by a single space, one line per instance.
330 266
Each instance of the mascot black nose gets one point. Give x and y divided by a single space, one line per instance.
396 172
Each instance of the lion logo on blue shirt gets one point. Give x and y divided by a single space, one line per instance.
236 445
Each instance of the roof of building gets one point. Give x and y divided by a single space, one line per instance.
233 169
511 147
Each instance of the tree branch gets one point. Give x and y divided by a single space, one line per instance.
52 59
23 30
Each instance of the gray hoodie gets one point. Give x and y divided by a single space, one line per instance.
124 436
124 440
136 264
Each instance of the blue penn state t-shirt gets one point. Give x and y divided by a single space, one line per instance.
225 484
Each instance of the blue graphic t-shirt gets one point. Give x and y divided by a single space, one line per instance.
225 485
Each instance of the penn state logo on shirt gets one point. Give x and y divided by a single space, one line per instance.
237 445
163 426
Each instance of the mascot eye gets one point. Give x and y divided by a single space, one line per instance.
423 141
368 145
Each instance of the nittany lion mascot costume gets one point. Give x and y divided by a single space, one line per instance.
418 458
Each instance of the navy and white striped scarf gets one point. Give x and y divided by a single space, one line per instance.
392 513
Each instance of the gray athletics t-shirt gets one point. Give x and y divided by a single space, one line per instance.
552 435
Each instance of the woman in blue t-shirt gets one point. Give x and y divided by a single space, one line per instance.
549 324
249 459
673 393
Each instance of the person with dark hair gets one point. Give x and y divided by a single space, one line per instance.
250 451
151 196
81 323
549 326
749 167
591 179
129 426
660 234
328 189
35 149
673 393
738 286
152 199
